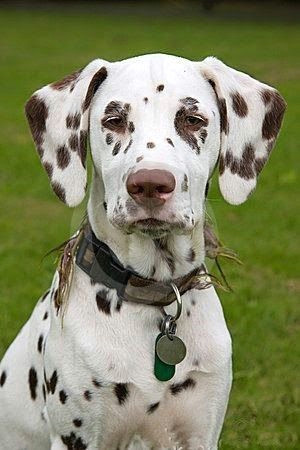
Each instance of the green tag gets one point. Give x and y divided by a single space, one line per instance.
162 371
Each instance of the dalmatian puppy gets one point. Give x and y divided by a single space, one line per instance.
80 375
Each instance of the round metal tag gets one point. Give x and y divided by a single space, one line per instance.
171 351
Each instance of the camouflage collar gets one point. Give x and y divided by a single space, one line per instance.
98 261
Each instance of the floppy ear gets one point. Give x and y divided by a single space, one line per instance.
250 118
58 116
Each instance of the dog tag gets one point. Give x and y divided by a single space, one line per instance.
170 351
162 371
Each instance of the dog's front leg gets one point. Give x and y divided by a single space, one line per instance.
202 411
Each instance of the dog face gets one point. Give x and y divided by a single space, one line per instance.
155 139
157 126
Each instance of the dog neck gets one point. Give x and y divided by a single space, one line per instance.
160 259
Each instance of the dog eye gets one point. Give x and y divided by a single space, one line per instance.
115 121
193 120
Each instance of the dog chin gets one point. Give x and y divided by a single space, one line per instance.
151 227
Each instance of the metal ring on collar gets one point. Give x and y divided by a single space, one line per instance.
178 301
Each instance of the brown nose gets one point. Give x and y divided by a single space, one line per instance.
150 187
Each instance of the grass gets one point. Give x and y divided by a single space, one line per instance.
262 313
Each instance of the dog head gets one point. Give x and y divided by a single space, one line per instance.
157 125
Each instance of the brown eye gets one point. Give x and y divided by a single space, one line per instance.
113 122
193 120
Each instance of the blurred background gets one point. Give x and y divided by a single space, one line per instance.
41 42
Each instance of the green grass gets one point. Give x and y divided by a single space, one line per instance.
262 313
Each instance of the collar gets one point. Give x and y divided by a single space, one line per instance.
100 263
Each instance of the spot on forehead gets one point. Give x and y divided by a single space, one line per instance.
146 99
150 145
160 88
169 141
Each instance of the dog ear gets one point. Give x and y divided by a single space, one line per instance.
251 113
58 116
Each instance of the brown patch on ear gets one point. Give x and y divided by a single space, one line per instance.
66 81
273 118
63 157
49 169
73 142
37 113
59 191
160 88
73 121
82 149
222 109
259 164
97 79
239 104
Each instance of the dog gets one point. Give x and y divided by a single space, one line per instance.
87 370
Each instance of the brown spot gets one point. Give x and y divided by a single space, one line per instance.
160 88
139 159
246 163
131 127
103 303
203 136
109 138
96 383
66 81
59 191
113 107
40 343
77 423
62 396
221 165
191 255
87 395
74 142
266 96
239 104
176 388
33 382
53 382
190 102
63 157
169 141
49 169
185 184
45 317
150 145
128 146
273 118
3 378
146 99
37 113
121 392
97 79
259 164
116 148
73 120
82 149
152 408
224 126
